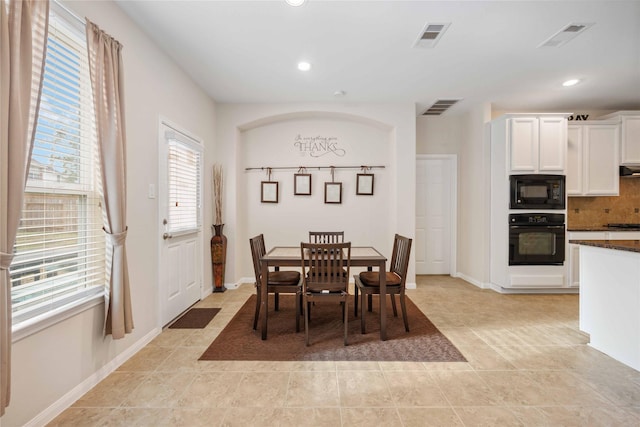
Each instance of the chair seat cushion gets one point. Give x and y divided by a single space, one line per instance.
371 278
284 277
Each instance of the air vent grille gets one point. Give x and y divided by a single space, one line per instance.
440 106
431 34
566 34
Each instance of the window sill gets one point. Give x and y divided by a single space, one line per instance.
39 323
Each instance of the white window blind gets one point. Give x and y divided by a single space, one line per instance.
184 159
59 250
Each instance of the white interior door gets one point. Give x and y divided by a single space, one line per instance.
435 214
180 195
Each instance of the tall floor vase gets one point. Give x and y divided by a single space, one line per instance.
218 257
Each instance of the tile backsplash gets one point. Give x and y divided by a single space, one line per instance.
601 210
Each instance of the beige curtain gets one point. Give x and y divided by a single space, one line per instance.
105 66
23 43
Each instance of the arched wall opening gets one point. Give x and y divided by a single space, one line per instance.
315 139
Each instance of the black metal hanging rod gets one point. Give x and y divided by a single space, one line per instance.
313 167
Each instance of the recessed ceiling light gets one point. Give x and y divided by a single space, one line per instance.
571 82
295 3
304 66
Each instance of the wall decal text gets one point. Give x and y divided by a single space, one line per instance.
318 146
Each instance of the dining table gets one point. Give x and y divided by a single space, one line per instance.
291 256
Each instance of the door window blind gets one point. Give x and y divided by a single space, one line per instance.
59 250
184 159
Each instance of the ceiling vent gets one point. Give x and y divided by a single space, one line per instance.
569 32
439 107
431 34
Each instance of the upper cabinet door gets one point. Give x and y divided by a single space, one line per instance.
574 160
537 144
523 144
552 144
600 150
630 152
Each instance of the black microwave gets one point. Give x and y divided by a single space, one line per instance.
537 192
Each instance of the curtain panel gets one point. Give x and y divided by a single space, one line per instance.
23 44
107 83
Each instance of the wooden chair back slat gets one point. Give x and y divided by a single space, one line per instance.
326 237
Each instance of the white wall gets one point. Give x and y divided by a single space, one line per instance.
49 364
365 219
371 134
438 135
474 198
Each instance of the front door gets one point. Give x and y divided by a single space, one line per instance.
179 193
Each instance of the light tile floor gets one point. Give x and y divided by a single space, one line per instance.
528 365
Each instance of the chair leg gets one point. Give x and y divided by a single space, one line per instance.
355 301
393 304
370 302
306 322
346 318
403 305
300 303
255 318
276 302
297 313
362 311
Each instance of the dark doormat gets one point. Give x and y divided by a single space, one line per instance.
195 318
238 340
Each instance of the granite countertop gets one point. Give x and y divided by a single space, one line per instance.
621 245
601 228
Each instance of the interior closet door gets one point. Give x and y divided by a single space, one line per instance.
435 214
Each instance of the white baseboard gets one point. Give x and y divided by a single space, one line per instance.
473 281
242 281
46 416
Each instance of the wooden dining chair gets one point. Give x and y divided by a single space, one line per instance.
326 236
286 282
368 282
323 278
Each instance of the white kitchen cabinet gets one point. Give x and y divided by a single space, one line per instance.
592 159
574 250
629 136
574 253
522 143
630 146
537 144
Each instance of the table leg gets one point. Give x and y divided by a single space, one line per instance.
264 298
383 301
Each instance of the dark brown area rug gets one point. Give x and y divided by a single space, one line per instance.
238 340
195 318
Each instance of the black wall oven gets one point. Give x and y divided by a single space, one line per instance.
537 192
536 239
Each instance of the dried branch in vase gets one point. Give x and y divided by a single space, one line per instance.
217 192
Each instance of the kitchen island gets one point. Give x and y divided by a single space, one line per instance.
610 297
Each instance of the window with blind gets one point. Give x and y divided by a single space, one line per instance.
184 158
59 251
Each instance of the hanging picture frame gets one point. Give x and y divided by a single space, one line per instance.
333 192
302 184
269 192
364 184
